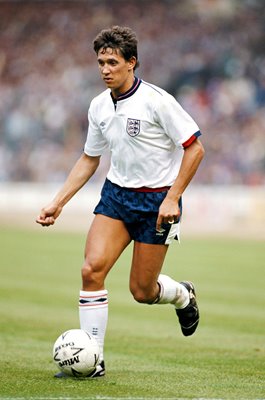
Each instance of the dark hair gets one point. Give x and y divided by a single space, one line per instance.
118 37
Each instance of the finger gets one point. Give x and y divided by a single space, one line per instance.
45 221
159 223
39 219
49 221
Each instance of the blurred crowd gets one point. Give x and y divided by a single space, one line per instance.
208 53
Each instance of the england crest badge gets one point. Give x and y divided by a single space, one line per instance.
133 127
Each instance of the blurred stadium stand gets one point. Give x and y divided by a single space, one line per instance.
209 54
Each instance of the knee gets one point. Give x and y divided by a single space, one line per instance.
141 294
92 276
88 274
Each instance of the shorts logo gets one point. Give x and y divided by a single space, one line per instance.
133 127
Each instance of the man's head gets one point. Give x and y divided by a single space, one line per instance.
118 38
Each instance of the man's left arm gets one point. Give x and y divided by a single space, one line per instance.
169 210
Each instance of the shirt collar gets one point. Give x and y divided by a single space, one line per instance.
129 92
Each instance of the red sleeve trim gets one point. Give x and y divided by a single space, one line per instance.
191 139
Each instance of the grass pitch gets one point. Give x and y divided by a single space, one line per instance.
146 355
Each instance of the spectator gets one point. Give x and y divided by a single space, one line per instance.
211 59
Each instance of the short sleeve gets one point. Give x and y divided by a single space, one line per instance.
176 122
95 142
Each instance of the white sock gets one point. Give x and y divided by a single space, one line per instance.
93 315
172 292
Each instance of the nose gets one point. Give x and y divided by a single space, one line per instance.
104 70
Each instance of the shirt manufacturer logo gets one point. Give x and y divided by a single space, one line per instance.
133 127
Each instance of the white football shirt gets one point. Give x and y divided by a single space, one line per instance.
146 131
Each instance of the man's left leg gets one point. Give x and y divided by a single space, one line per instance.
149 286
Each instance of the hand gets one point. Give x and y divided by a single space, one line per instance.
169 213
49 214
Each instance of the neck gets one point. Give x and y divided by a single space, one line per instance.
124 88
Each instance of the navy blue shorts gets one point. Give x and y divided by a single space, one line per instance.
138 210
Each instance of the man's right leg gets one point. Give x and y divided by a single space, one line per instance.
106 240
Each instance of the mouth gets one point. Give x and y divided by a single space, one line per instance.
107 80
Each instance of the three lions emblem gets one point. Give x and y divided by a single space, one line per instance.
133 127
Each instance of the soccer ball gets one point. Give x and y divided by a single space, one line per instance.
76 353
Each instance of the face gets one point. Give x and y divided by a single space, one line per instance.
115 71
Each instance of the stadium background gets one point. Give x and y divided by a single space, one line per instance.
209 54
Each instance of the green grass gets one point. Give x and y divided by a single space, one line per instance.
145 352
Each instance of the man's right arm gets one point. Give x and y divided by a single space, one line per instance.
82 171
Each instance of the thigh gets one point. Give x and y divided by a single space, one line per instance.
147 263
106 240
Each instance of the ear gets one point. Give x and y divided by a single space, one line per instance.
132 63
